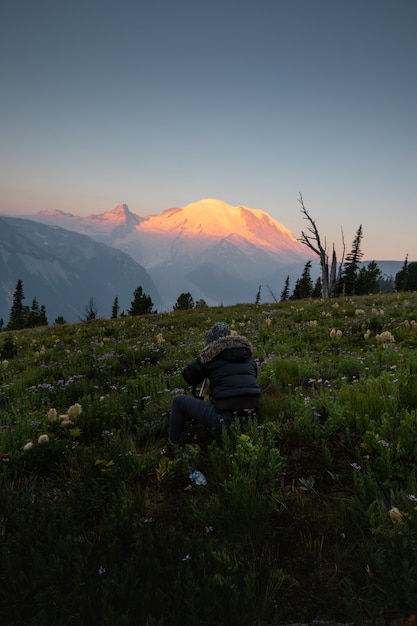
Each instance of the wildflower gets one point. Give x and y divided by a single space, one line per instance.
384 443
208 529
355 466
333 333
101 570
412 497
268 321
367 334
159 338
28 446
395 515
359 312
313 323
5 363
65 421
52 415
186 558
385 338
148 520
43 439
74 411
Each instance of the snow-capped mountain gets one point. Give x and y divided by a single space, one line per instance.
216 251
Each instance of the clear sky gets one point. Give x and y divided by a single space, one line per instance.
160 103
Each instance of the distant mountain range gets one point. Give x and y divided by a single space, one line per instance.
64 270
217 252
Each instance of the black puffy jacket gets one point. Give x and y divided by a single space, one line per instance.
231 369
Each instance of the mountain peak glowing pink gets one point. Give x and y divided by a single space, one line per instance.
214 219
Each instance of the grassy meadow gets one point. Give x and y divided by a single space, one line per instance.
310 507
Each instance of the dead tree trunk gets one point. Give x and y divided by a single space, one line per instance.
311 239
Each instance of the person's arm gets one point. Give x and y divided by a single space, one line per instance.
194 373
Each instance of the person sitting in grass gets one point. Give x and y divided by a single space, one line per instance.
227 363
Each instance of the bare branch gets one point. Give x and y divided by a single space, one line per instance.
314 237
272 293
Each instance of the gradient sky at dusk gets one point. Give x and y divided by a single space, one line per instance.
159 104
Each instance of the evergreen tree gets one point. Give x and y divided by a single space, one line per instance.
258 295
406 279
184 302
367 280
412 277
402 276
17 311
59 320
115 309
201 304
36 316
285 294
141 303
304 285
317 291
347 283
43 320
33 313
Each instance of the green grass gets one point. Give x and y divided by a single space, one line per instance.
96 527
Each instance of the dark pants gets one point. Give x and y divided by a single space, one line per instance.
186 408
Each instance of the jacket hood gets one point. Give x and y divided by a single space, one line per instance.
230 342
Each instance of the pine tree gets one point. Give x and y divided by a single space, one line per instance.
285 293
368 279
407 278
141 303
304 285
347 283
317 291
115 309
401 277
17 311
184 302
36 315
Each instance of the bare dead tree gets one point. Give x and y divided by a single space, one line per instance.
272 294
311 239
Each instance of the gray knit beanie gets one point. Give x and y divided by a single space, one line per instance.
219 329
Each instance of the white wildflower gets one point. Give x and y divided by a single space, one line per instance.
52 415
395 515
74 411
